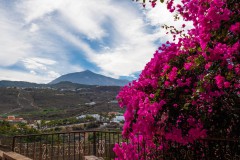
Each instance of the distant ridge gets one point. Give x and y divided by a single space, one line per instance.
6 83
89 78
64 85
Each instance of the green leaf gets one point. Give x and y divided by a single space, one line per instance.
200 89
161 1
186 106
229 76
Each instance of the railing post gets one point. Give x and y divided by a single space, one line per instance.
13 143
94 143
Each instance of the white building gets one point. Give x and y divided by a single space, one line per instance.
96 116
118 119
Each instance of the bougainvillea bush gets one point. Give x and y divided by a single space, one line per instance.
190 89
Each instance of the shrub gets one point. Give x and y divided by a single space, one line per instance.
189 89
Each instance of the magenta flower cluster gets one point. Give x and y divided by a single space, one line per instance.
190 89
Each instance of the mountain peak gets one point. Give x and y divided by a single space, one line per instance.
90 78
87 71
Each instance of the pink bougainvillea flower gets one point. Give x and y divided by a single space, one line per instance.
226 84
208 65
188 83
173 74
235 28
219 81
188 66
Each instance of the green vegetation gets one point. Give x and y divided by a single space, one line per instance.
66 121
8 129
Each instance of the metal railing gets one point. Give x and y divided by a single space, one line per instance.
201 149
75 145
5 142
68 146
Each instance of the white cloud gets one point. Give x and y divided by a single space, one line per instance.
34 27
45 67
7 74
133 46
87 16
53 74
37 9
38 63
12 40
29 45
33 72
36 39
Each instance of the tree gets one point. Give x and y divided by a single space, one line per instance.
189 89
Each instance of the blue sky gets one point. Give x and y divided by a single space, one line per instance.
42 39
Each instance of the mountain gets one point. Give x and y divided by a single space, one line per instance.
5 83
89 78
61 85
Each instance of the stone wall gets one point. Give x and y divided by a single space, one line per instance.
12 156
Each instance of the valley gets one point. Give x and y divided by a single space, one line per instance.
62 101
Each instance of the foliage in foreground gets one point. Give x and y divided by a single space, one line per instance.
189 89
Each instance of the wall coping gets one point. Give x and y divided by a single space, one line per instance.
12 156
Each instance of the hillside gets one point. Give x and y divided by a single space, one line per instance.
58 102
6 83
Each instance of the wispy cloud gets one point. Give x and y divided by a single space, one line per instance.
50 38
13 44
23 76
